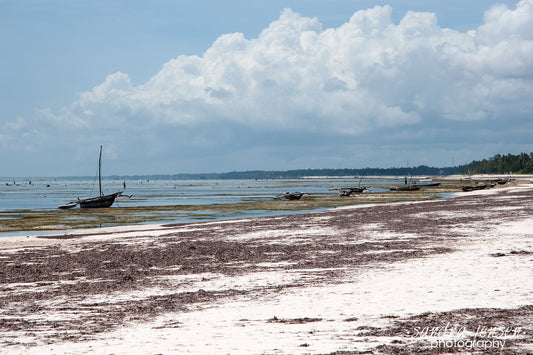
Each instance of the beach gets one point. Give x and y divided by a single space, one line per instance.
447 275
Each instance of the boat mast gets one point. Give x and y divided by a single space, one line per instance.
99 174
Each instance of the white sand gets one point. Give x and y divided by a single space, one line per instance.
467 278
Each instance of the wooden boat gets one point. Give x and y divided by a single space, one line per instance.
123 197
405 188
473 188
290 196
431 184
100 201
347 191
474 185
478 187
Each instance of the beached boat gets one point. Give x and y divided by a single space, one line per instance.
431 184
501 181
347 191
405 188
290 196
473 188
100 201
123 198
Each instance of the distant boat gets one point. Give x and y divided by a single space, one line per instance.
347 191
123 197
405 188
473 188
100 201
431 184
290 196
501 181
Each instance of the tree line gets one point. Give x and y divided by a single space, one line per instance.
498 164
501 164
301 173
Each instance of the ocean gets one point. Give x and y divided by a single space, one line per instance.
22 198
39 194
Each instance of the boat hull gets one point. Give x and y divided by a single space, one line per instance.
405 188
432 184
99 202
473 188
347 191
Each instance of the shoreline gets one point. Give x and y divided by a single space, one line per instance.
37 238
51 221
346 279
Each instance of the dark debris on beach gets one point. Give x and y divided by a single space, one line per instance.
82 281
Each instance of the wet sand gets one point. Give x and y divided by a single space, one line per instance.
435 276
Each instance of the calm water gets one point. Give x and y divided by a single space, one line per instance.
49 194
39 194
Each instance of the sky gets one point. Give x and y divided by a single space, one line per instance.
182 86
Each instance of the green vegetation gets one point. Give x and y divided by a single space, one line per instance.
501 164
498 164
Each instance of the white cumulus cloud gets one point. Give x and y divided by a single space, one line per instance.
367 75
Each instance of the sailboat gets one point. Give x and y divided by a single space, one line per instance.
98 201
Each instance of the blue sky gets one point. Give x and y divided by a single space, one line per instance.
207 86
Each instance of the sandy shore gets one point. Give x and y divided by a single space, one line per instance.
450 275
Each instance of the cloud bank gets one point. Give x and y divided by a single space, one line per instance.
368 79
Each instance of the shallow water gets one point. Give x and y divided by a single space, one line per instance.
25 198
49 194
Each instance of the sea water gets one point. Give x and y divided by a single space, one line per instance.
27 196
39 194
